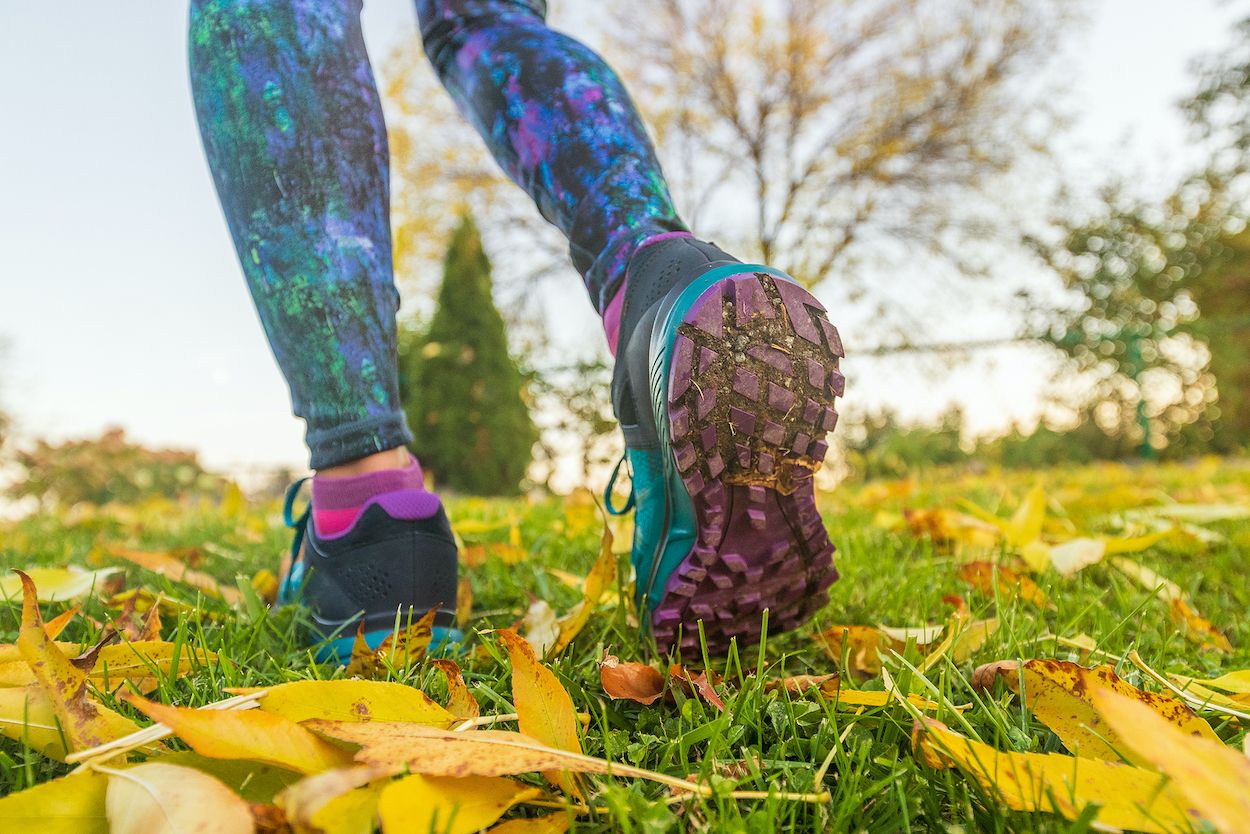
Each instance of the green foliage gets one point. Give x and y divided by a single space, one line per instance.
106 469
577 416
464 395
1162 315
880 446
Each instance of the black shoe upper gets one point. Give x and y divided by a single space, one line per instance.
653 273
380 566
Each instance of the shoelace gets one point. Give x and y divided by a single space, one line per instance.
607 493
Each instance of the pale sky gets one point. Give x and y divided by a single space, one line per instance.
121 301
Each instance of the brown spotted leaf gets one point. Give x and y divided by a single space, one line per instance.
460 701
1058 693
64 681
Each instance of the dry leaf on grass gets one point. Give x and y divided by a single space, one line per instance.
112 667
703 684
544 709
549 824
1130 797
1058 693
597 581
57 584
69 805
989 578
176 570
630 680
401 649
351 700
84 722
1213 778
460 701
158 798
1198 629
449 806
1237 682
247 734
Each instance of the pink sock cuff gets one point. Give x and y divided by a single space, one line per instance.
352 492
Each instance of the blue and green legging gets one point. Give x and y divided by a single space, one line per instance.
293 129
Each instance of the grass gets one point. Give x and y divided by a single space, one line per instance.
766 739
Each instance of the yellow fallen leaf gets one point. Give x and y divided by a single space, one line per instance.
549 824
597 581
1129 797
460 701
351 700
1058 694
69 805
84 722
920 635
464 602
860 644
1073 556
156 798
948 527
1214 779
57 584
1165 589
544 709
972 638
1198 629
1134 544
449 806
176 570
247 734
114 666
341 801
27 716
476 555
1026 524
435 752
1237 682
989 578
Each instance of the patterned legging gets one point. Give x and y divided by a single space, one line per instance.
293 130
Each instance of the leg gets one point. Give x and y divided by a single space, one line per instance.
561 125
726 373
293 131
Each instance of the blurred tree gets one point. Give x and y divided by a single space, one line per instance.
1160 323
463 393
808 133
108 468
879 445
576 418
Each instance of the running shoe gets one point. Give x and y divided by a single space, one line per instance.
725 386
395 563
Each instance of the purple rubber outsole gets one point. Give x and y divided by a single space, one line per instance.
753 381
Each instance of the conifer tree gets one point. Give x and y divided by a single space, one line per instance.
462 391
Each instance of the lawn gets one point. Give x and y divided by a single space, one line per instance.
903 551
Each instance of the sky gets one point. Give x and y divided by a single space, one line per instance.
121 302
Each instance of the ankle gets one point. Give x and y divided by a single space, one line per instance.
397 458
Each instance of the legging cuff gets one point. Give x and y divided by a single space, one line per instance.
336 446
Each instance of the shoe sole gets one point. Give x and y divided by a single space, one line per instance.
751 387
